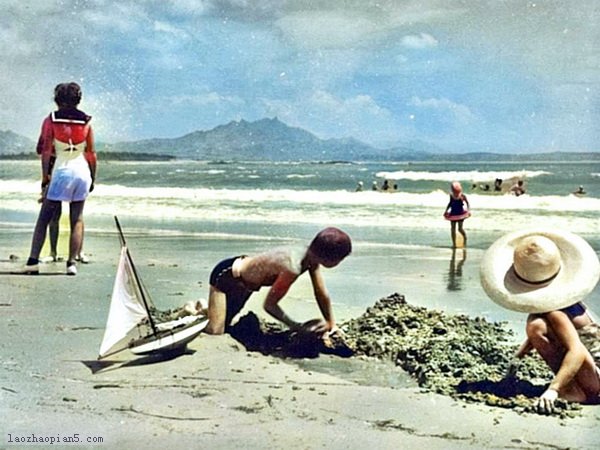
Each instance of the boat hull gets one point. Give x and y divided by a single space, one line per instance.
169 340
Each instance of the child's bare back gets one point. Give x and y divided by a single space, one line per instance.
263 269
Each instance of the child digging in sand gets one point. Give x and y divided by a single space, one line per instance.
547 273
233 281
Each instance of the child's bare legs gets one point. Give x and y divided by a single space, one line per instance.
82 257
54 229
461 231
47 212
76 220
217 311
453 233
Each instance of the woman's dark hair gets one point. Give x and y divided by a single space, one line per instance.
67 94
331 244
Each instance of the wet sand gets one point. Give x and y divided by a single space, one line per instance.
223 393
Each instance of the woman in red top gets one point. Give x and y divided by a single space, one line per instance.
67 136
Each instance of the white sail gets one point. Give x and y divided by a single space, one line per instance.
126 307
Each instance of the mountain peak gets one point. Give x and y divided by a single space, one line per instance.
12 143
267 139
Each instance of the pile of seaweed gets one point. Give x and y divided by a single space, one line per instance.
453 355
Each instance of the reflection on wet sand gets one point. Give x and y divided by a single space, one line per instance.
454 281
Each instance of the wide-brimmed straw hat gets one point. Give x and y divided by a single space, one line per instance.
539 270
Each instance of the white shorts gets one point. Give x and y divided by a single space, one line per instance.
66 185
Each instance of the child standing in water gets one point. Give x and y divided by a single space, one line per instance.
457 211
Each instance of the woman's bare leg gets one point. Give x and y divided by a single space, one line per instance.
76 220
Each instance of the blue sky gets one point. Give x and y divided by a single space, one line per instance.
506 76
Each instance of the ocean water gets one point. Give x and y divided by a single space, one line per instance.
401 241
279 197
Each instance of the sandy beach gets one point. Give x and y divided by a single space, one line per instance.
217 394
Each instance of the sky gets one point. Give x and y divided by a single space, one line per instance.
490 75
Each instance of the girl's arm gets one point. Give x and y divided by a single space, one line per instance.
575 351
448 205
322 296
90 153
572 362
524 349
275 294
45 149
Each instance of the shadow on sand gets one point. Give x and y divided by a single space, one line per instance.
506 388
270 339
106 365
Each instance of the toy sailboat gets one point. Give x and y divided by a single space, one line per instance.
131 324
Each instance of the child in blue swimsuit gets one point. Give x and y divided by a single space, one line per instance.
456 212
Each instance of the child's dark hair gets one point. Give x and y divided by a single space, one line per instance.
67 95
331 244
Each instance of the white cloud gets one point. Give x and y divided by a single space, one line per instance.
133 54
206 99
115 17
13 43
115 116
329 116
325 29
169 29
419 41
460 113
191 7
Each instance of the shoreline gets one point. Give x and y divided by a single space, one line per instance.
176 263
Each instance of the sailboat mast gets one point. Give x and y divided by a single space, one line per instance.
137 277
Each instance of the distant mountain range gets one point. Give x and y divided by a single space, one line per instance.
15 144
265 139
272 140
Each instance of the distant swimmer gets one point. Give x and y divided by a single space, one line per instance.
498 185
359 186
518 188
580 191
481 187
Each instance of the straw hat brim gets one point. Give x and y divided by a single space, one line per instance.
578 275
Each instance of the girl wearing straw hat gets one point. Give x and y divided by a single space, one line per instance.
547 273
